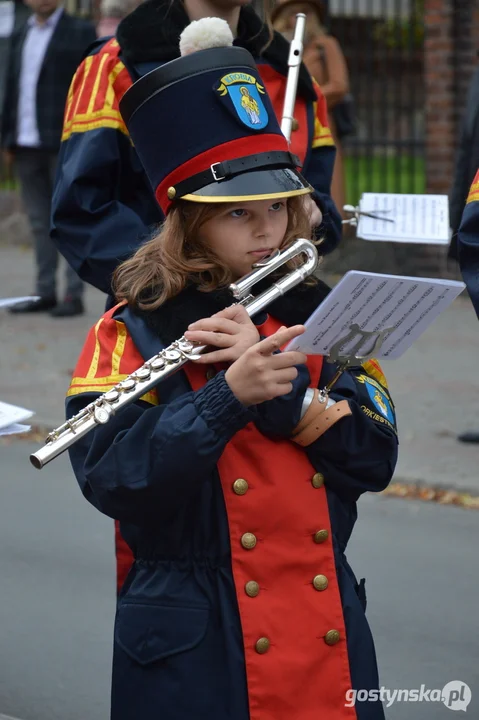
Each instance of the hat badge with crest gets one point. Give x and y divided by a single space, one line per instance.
204 126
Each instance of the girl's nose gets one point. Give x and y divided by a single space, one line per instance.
263 227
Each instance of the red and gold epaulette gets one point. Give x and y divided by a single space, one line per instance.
374 370
322 133
474 191
95 93
108 357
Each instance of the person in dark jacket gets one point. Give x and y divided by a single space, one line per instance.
44 56
234 481
467 162
103 207
468 255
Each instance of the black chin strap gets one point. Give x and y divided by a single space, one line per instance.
274 160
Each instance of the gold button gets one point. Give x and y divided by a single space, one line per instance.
332 637
251 588
320 536
248 541
240 486
294 125
171 192
210 373
317 480
262 645
320 582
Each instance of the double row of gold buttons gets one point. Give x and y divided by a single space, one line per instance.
320 582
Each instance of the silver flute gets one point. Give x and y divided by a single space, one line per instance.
172 358
294 63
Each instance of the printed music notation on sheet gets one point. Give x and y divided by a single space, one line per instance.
415 218
376 302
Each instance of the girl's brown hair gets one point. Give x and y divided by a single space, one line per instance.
164 265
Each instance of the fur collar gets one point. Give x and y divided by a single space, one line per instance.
171 320
151 34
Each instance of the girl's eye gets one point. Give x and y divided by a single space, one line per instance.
239 212
277 206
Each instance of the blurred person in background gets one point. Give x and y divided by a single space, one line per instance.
325 61
43 58
464 247
112 13
467 162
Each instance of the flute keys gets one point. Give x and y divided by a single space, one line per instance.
172 356
185 346
112 396
143 373
157 363
128 384
101 415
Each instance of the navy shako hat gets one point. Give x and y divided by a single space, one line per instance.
204 127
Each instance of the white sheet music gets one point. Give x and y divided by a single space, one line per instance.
416 218
375 302
12 417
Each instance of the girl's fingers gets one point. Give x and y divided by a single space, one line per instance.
285 375
288 359
234 312
282 336
217 356
215 324
216 339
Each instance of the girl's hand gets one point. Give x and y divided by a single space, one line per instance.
232 330
259 375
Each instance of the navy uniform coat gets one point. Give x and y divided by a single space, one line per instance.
181 637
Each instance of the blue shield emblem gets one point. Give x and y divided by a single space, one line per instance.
378 397
244 92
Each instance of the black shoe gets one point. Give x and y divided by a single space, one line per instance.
469 437
68 308
42 304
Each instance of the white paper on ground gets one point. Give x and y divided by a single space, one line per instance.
15 429
417 218
8 302
376 302
12 414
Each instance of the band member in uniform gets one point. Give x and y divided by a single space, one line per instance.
236 489
103 207
468 255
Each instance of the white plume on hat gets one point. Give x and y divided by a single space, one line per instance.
204 34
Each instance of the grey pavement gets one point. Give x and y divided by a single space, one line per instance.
435 385
57 604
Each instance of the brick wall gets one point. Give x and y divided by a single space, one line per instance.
450 55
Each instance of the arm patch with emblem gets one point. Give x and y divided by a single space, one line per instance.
375 400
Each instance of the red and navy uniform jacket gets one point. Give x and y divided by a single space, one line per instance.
103 206
468 244
240 603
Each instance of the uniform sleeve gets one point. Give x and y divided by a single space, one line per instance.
359 453
468 244
149 459
319 172
102 206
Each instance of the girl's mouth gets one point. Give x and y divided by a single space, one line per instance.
263 252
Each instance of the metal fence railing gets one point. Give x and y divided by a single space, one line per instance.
383 41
